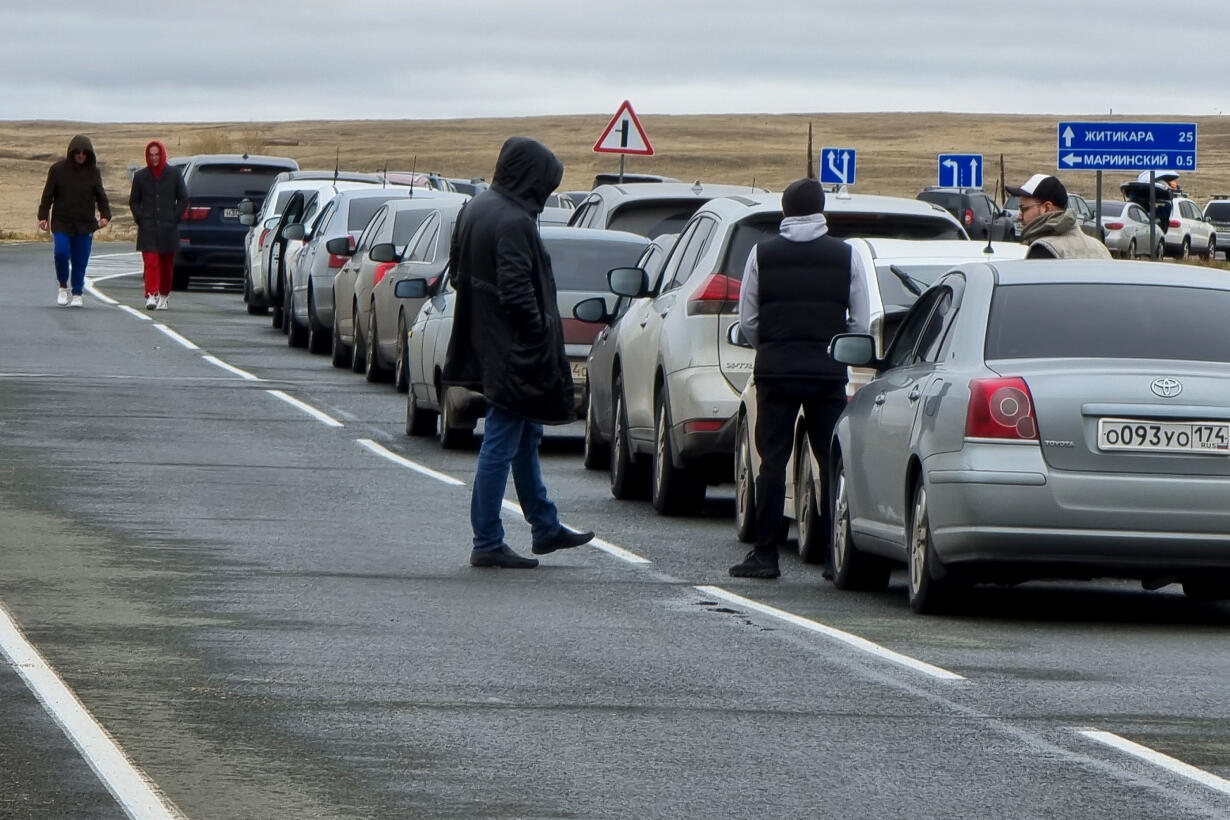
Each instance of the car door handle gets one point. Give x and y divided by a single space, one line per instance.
644 321
914 394
880 399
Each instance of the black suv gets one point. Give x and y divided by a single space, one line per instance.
975 209
211 237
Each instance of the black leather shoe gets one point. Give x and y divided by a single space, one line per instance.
503 557
757 565
562 540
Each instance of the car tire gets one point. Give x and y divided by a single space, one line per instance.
358 357
253 309
929 591
1131 251
419 422
372 371
673 491
341 354
296 334
1213 588
745 485
1185 250
1211 253
453 436
318 340
278 314
814 530
852 568
597 453
401 367
629 477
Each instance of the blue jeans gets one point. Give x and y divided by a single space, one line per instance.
74 252
509 441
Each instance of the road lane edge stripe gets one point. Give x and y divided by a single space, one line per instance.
135 312
243 374
407 463
1170 764
131 788
598 543
188 343
861 644
319 415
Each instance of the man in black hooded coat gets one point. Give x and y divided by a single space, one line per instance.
507 343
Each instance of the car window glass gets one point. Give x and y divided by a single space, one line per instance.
696 246
231 180
982 208
652 218
651 263
901 351
932 334
672 261
372 227
423 240
325 217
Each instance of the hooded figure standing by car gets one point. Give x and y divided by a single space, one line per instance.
507 343
1050 229
73 191
157 199
800 289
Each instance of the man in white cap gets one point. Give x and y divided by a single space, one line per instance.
1052 230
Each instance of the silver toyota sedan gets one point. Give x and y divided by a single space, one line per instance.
1041 419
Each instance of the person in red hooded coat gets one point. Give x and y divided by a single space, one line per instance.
157 200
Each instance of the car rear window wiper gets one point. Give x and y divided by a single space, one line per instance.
911 284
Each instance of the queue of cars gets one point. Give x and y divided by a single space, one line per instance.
1008 419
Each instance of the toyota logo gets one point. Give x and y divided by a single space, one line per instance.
1166 388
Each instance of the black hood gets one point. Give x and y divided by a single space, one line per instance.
527 172
79 142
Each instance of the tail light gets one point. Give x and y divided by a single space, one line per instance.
381 270
1000 408
969 217
1114 226
719 293
195 213
1174 223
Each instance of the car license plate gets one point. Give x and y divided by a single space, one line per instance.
230 213
1147 436
579 370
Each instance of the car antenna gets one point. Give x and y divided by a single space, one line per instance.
911 284
414 161
384 178
988 248
337 161
753 184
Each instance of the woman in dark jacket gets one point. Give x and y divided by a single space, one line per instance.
157 200
74 188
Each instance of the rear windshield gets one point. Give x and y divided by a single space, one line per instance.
1109 321
948 201
1219 211
232 180
362 209
582 265
1112 208
653 218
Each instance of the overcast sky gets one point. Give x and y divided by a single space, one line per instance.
122 61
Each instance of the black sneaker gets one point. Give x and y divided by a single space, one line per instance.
503 557
562 540
757 565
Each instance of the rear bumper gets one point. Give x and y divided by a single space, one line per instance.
219 260
702 394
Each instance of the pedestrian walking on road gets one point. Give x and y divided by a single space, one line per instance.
1052 230
73 191
799 289
507 343
157 200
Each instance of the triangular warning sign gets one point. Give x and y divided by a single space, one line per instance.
623 134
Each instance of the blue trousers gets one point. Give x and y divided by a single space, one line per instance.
72 253
509 442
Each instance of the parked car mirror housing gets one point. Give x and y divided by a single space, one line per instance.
339 246
384 252
295 230
247 219
247 208
735 336
630 282
415 288
854 349
591 310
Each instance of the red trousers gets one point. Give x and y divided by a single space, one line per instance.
158 272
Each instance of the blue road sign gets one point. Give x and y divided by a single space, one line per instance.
837 166
960 170
1127 146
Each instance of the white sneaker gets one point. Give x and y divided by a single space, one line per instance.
77 301
62 297
162 303
151 301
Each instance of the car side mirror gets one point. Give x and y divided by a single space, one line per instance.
246 208
384 252
415 288
339 246
247 219
630 282
294 231
854 349
591 310
735 336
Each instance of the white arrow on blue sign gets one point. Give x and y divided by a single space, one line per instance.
837 166
1127 146
960 170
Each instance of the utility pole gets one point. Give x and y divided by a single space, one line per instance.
811 165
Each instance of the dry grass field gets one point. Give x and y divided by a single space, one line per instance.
896 151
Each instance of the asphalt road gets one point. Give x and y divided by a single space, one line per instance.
270 619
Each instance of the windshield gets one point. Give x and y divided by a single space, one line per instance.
582 264
654 217
1219 211
362 209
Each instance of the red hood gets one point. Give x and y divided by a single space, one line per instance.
162 163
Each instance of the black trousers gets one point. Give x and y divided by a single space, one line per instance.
776 410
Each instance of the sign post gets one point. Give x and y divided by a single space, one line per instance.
960 170
624 135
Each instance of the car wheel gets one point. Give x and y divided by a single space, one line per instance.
317 340
745 485
628 477
1207 589
1159 252
419 422
673 491
1131 251
852 569
928 590
453 436
1211 253
814 531
597 452
372 371
278 314
358 358
1185 249
341 354
401 368
253 309
296 334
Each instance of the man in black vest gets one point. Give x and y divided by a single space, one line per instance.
799 290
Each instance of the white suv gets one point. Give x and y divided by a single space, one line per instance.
1189 232
1217 214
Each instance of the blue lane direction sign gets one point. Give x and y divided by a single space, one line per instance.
1127 146
960 170
837 166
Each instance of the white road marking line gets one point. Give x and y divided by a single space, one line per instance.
136 313
862 644
1166 762
405 462
135 793
598 543
112 275
216 362
98 294
113 255
307 408
180 339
